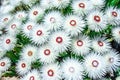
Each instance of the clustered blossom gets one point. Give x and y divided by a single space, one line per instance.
53 34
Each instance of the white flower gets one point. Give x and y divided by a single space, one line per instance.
82 7
95 65
29 53
22 67
61 3
8 42
13 28
60 41
2 52
98 4
35 13
113 16
116 34
39 34
53 20
46 54
27 28
21 15
96 21
113 60
81 45
5 19
31 75
100 45
5 63
73 25
72 69
46 4
51 72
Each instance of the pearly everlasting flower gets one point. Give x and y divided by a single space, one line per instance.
27 28
116 34
53 20
8 42
82 7
73 25
39 34
98 4
46 4
22 67
95 65
113 16
32 75
5 19
2 52
51 72
72 69
5 63
29 53
21 15
81 45
100 45
46 54
13 27
60 41
96 21
61 3
113 60
36 13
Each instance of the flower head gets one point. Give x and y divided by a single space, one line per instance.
8 42
32 75
81 45
27 28
113 60
113 16
96 21
51 72
95 65
22 67
53 20
29 53
60 41
73 25
72 69
35 13
100 45
82 7
21 15
5 19
46 54
39 34
5 63
14 27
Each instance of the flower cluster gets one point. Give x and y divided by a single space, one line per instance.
59 41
